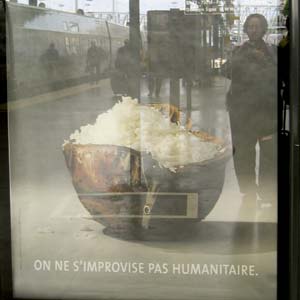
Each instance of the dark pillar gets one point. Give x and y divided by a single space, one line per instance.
206 59
135 45
189 85
176 61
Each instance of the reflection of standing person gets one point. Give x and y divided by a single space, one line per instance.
93 62
50 60
124 60
251 102
126 67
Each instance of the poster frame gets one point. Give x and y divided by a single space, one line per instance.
288 256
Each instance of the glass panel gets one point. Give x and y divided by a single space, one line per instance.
143 159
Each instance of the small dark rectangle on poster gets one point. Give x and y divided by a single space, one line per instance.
166 205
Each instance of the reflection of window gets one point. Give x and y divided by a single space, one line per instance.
72 45
66 26
208 37
67 43
74 27
75 45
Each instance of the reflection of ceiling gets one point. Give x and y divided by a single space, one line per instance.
110 5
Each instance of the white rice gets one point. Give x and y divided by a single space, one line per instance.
144 128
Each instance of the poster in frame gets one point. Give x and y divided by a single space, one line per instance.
65 262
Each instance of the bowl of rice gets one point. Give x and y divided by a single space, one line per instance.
143 176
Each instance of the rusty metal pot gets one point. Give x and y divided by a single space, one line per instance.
129 193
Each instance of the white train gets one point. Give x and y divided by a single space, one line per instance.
31 31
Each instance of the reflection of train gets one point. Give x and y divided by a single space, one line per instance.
30 32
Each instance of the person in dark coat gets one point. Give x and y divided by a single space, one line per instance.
50 62
123 59
50 59
52 54
126 67
252 106
93 62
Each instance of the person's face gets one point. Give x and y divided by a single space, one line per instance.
255 30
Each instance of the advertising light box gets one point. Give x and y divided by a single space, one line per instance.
143 149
